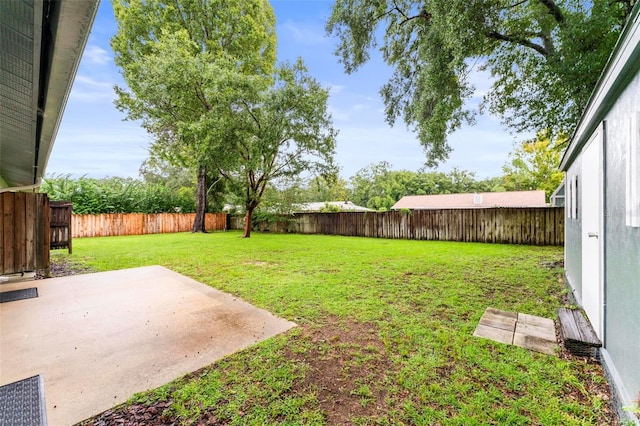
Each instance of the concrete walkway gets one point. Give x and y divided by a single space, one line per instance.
527 331
99 338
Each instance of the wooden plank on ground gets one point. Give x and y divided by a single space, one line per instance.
577 327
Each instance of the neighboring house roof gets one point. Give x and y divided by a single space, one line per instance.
345 206
44 45
472 201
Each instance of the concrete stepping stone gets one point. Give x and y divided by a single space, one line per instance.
524 330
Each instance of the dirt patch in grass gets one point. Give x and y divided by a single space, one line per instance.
256 263
347 370
63 267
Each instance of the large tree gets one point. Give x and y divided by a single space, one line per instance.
545 57
183 61
280 133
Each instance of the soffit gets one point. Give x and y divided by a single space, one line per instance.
41 43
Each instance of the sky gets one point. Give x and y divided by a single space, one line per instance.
95 140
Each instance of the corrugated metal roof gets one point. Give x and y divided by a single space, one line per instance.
41 43
472 201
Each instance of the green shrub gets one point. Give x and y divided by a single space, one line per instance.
117 195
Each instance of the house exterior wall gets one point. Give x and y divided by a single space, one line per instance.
573 235
614 106
622 245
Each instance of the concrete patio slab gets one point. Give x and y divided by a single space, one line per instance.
99 338
524 330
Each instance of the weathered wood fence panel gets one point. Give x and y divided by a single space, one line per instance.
116 224
531 226
24 232
60 225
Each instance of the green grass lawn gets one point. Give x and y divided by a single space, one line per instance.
384 337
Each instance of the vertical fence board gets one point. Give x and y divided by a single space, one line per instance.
9 229
43 227
30 233
20 234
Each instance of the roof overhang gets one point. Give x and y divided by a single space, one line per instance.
41 47
622 66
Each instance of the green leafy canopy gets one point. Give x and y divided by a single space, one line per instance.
545 57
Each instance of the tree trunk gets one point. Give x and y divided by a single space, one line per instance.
247 223
201 201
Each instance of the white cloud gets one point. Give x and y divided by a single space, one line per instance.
309 34
88 89
348 113
96 55
92 82
334 89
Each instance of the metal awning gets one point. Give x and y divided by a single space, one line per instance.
41 44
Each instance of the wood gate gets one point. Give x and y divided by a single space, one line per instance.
60 225
24 232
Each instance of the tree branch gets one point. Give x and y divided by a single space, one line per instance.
201 96
255 119
547 42
517 4
554 10
424 14
518 40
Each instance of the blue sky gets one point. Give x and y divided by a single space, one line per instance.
94 140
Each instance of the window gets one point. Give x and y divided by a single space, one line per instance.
569 207
632 195
575 197
572 197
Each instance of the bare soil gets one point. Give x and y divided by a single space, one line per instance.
348 367
62 267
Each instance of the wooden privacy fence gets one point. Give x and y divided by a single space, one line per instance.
60 225
114 224
24 232
531 226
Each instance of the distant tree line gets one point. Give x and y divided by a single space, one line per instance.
164 187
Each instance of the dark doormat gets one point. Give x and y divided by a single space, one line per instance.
22 403
12 296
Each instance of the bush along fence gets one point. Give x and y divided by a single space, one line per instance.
530 226
115 224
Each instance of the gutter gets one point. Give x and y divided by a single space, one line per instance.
22 188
